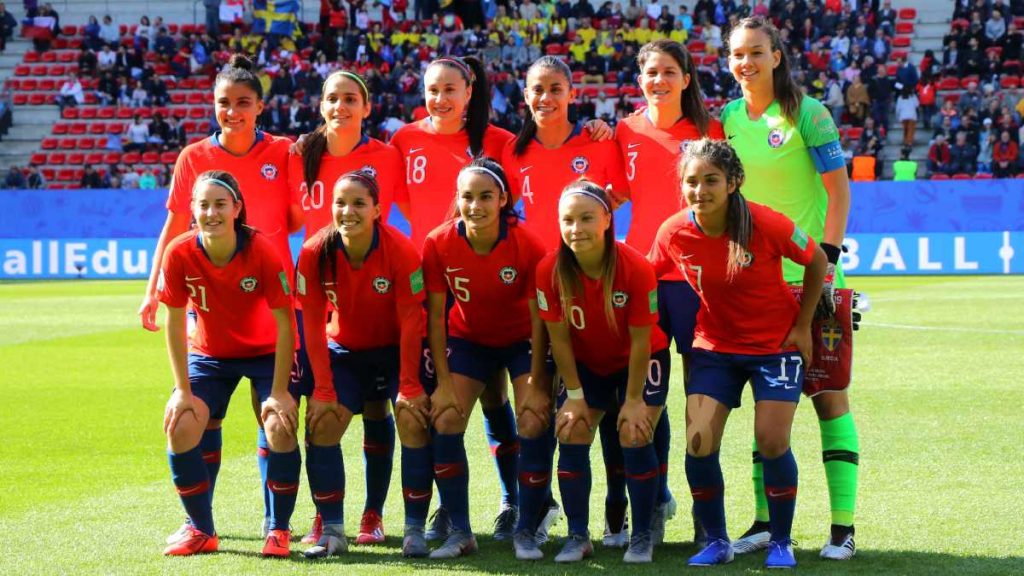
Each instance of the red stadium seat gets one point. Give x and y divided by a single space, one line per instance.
106 113
29 84
94 158
86 143
78 129
187 83
19 99
904 27
98 128
954 98
31 57
48 144
49 173
61 128
22 70
897 54
87 113
39 70
69 113
91 99
197 113
162 110
111 157
125 113
37 99
204 83
939 176
38 158
131 158
144 112
696 46
907 14
891 69
169 157
12 84
968 79
901 42
949 83
961 176
189 126
57 158
177 97
187 29
115 128
982 176
1011 67
47 85
179 112
76 158
65 175
57 70
553 49
150 158
69 30
196 98
66 57
77 174
997 49
577 76
1009 82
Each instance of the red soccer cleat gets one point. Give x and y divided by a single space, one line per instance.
315 531
277 544
194 542
371 529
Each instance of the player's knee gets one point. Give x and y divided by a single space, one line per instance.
185 435
279 436
411 433
831 405
631 438
450 422
699 443
530 426
772 444
578 433
328 431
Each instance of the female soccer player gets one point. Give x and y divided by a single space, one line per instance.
368 275
258 160
485 261
598 299
335 148
237 285
651 144
749 328
549 153
790 149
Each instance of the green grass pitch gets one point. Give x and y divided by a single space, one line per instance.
85 489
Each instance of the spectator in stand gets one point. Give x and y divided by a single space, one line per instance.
1005 154
986 142
137 135
87 62
140 97
840 43
880 47
963 155
71 93
1011 42
109 32
164 45
129 178
159 130
929 66
834 98
858 101
106 59
952 59
212 15
926 94
906 112
35 179
972 58
15 179
176 136
91 34
969 100
142 32
880 88
939 160
91 179
906 75
995 28
871 144
147 181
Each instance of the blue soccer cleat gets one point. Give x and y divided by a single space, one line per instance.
780 554
718 551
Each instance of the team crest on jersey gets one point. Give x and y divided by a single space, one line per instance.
369 170
776 138
382 285
269 171
580 164
619 299
248 284
508 274
748 259
831 335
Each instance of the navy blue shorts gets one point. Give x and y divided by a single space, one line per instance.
483 362
677 312
302 370
608 392
428 374
364 376
722 376
213 380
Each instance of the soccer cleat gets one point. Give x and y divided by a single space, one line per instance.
662 513
194 542
414 545
314 531
755 538
180 533
576 548
641 548
780 554
618 539
440 525
525 544
277 544
332 542
371 529
459 543
718 551
549 519
505 522
265 529
840 546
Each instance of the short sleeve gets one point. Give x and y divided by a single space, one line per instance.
819 133
549 303
614 169
643 294
400 191
433 276
277 290
296 178
660 255
170 284
409 272
790 240
179 195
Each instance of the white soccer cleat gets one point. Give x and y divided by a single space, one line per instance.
754 539
843 550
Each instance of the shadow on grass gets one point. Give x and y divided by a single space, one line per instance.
497 558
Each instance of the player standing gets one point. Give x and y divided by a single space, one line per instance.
258 161
651 144
367 274
598 299
790 149
237 285
749 328
485 261
332 150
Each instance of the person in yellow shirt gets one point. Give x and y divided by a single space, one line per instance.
679 33
579 50
586 31
643 33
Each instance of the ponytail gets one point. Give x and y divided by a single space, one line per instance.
478 111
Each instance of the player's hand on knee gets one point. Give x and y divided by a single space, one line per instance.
443 399
317 410
634 424
573 412
415 407
180 403
534 404
285 408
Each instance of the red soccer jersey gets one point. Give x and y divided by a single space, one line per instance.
378 304
491 292
540 174
260 174
596 344
753 313
432 164
232 303
370 154
651 159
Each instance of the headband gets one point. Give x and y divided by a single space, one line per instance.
367 181
489 172
458 64
222 184
585 192
358 80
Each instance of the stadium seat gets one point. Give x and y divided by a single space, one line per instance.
854 133
949 83
553 49
31 57
904 27
48 144
150 157
1009 82
891 69
144 112
61 128
611 91
76 158
29 84
88 113
897 54
12 84
37 99
106 113
203 127
577 76
57 70
982 176
939 176
69 30
187 83
179 112
78 129
968 79
69 113
131 158
55 185
19 99
907 14
125 113
204 84
696 46
111 157
65 175
38 158
196 98
22 70
961 176
197 113
66 57
190 126
115 128
169 157
901 42
177 97
998 50
39 70
47 85
1011 67
86 143
94 158
49 174
97 128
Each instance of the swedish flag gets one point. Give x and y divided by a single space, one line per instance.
278 17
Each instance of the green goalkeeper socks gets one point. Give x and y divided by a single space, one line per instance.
840 451
760 500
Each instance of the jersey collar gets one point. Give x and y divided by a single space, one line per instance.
215 141
577 129
373 243
240 243
502 229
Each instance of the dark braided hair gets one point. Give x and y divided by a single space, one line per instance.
738 222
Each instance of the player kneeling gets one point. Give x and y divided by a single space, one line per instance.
239 290
750 327
598 298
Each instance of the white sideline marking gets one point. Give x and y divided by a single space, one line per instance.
942 328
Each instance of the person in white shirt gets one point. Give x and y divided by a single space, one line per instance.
71 93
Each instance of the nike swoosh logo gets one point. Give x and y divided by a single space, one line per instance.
651 392
192 278
535 480
523 170
328 283
193 491
325 497
442 470
282 487
414 150
417 495
731 136
779 493
449 270
631 146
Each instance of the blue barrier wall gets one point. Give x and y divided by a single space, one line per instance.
972 227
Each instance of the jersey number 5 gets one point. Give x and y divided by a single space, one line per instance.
460 288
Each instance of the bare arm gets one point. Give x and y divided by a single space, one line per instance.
175 225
